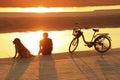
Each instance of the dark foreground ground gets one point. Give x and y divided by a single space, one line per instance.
84 65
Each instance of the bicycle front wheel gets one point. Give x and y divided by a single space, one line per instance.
102 44
73 45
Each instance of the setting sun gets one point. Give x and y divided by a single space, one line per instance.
31 41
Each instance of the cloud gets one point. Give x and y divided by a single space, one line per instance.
56 3
23 22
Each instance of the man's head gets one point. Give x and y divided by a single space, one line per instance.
45 35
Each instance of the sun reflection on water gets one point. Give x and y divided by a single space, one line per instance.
61 40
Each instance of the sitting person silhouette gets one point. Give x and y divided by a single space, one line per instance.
21 50
46 45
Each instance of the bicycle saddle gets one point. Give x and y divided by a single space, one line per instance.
96 30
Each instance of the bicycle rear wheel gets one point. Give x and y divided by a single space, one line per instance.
102 44
73 45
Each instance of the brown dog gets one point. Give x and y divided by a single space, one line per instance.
22 51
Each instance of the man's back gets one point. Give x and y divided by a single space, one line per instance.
46 45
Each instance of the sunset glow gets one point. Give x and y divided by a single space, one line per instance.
58 9
61 39
32 39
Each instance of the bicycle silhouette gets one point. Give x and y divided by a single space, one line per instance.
100 41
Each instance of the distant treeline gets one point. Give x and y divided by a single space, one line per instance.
22 24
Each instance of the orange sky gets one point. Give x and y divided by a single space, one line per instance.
56 3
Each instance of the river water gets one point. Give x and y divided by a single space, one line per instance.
61 40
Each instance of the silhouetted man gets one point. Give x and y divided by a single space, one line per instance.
46 45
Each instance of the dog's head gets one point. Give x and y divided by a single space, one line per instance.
16 40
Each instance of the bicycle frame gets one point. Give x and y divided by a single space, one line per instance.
85 39
90 43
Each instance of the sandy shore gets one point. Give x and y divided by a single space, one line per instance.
84 65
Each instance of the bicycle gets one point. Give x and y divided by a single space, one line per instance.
100 41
